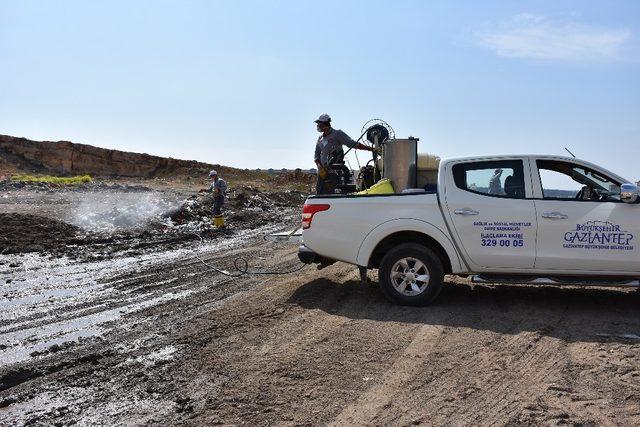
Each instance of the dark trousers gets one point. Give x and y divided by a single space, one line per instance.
324 186
218 201
319 185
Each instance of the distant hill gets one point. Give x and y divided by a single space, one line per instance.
559 194
68 158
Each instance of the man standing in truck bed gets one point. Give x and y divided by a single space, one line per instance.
330 141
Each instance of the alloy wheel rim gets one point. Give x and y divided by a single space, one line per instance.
410 276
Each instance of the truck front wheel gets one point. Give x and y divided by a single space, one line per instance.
411 274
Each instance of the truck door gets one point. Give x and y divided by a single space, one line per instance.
583 225
490 206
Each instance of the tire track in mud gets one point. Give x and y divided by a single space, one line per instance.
318 347
589 391
298 356
515 374
508 360
512 369
133 285
41 373
454 386
104 291
375 401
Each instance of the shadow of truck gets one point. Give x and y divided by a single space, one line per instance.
570 314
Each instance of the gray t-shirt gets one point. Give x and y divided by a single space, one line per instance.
219 184
331 142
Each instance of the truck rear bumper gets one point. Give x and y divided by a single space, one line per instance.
306 255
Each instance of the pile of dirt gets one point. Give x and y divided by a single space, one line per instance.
297 176
33 233
250 197
245 206
22 233
131 229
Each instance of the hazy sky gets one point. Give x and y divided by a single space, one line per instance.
240 82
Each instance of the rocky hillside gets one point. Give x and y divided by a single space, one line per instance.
68 158
64 157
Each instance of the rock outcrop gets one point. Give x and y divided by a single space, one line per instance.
64 157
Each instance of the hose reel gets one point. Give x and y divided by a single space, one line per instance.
377 132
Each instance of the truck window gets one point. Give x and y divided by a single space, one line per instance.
500 178
569 181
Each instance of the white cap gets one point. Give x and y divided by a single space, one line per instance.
212 173
324 118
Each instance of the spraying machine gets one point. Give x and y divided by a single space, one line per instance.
394 160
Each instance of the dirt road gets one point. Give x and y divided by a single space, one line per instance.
150 335
319 347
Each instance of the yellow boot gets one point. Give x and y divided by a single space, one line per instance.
218 221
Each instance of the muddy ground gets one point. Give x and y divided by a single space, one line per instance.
150 335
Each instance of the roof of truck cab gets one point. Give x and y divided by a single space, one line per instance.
511 156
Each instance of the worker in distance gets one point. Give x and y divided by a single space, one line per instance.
330 141
219 189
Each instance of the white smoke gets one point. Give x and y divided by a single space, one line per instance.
109 212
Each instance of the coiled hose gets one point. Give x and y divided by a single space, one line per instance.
242 266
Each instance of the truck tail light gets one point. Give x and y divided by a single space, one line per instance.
308 211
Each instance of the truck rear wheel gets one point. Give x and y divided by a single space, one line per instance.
411 274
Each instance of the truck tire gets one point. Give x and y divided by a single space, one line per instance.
411 274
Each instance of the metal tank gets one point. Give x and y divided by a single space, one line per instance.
399 162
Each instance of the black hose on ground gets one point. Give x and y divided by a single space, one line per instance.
242 266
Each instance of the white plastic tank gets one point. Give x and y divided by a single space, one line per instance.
428 165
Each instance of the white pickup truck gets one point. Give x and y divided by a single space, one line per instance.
514 219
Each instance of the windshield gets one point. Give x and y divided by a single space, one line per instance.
592 179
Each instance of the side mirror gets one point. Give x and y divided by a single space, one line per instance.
629 193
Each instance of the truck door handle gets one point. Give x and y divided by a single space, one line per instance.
554 215
466 211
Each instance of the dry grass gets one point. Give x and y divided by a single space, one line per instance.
63 180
